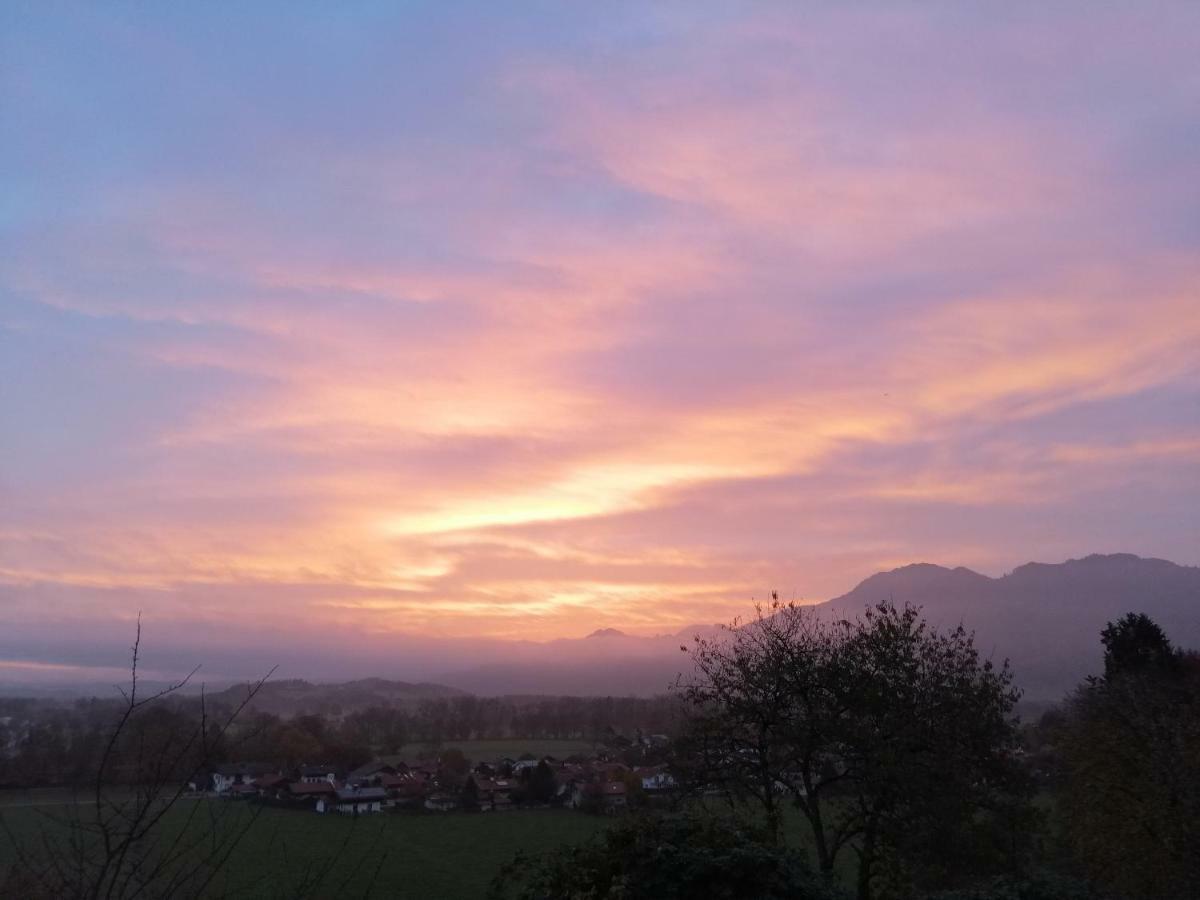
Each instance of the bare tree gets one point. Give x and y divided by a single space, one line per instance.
137 833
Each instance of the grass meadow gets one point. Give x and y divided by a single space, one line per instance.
386 855
396 854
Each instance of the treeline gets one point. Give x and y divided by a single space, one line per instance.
52 743
579 718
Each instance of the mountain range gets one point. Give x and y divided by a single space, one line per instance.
1044 618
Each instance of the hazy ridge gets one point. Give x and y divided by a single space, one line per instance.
1044 618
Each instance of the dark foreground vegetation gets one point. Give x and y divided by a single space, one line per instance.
894 750
876 758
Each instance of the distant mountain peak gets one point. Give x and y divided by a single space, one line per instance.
1045 617
607 633
1099 562
918 575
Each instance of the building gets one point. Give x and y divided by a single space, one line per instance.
318 794
372 772
313 774
441 803
225 777
613 796
357 801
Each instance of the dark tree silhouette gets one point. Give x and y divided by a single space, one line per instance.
674 857
468 797
893 740
1131 749
1136 643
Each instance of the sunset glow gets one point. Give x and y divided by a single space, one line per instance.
437 322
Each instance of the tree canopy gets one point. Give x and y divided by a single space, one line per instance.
1135 643
894 741
1131 747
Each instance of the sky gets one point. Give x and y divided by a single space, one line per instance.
349 324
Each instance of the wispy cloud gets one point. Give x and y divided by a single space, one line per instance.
596 323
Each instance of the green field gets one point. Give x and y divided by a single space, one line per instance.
419 856
489 751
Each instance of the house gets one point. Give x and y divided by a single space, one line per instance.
320 793
313 774
225 777
394 781
272 785
441 803
371 772
357 801
600 796
425 770
656 780
613 796
407 789
612 771
502 793
494 793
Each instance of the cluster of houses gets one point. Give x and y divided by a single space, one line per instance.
595 784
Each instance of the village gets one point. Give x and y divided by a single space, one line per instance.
448 781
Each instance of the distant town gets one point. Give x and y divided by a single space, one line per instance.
447 781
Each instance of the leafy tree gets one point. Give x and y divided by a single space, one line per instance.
1136 643
657 857
468 797
453 764
1131 745
538 784
764 715
635 792
935 794
380 728
893 740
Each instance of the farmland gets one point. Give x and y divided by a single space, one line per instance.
394 855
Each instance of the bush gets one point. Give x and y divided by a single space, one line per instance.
665 857
1046 887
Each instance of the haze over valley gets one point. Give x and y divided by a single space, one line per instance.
1044 617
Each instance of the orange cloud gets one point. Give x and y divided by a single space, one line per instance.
675 341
